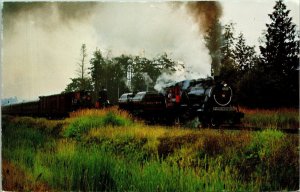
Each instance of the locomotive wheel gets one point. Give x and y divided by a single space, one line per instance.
214 123
177 121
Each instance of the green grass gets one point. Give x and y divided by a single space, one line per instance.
108 151
83 124
74 167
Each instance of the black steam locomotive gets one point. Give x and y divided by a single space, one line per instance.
206 100
52 106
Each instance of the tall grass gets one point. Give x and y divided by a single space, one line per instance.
272 118
93 169
107 151
100 112
67 165
84 120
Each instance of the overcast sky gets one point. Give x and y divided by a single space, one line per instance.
251 16
41 47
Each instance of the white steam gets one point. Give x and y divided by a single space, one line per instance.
41 50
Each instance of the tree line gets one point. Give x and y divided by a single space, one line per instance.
265 79
125 73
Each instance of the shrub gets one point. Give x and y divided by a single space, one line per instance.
82 124
112 119
271 158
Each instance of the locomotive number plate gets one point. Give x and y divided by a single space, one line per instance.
223 109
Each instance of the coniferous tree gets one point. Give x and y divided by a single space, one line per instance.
244 56
280 53
98 71
227 45
228 72
245 61
280 58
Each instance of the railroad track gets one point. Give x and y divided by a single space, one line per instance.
239 127
252 128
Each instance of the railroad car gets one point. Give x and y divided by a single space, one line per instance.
26 108
51 106
125 101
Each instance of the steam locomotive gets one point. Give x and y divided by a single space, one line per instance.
207 100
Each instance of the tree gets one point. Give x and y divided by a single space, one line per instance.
110 73
126 63
82 69
249 78
244 56
116 80
97 70
228 71
128 73
82 82
145 71
227 45
280 58
77 83
163 62
281 50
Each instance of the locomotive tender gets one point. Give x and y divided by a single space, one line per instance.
207 100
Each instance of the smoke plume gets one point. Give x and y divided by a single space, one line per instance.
205 13
42 40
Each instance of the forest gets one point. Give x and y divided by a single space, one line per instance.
265 79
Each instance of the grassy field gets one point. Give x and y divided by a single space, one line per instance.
274 119
107 150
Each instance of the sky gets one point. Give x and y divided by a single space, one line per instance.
41 44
